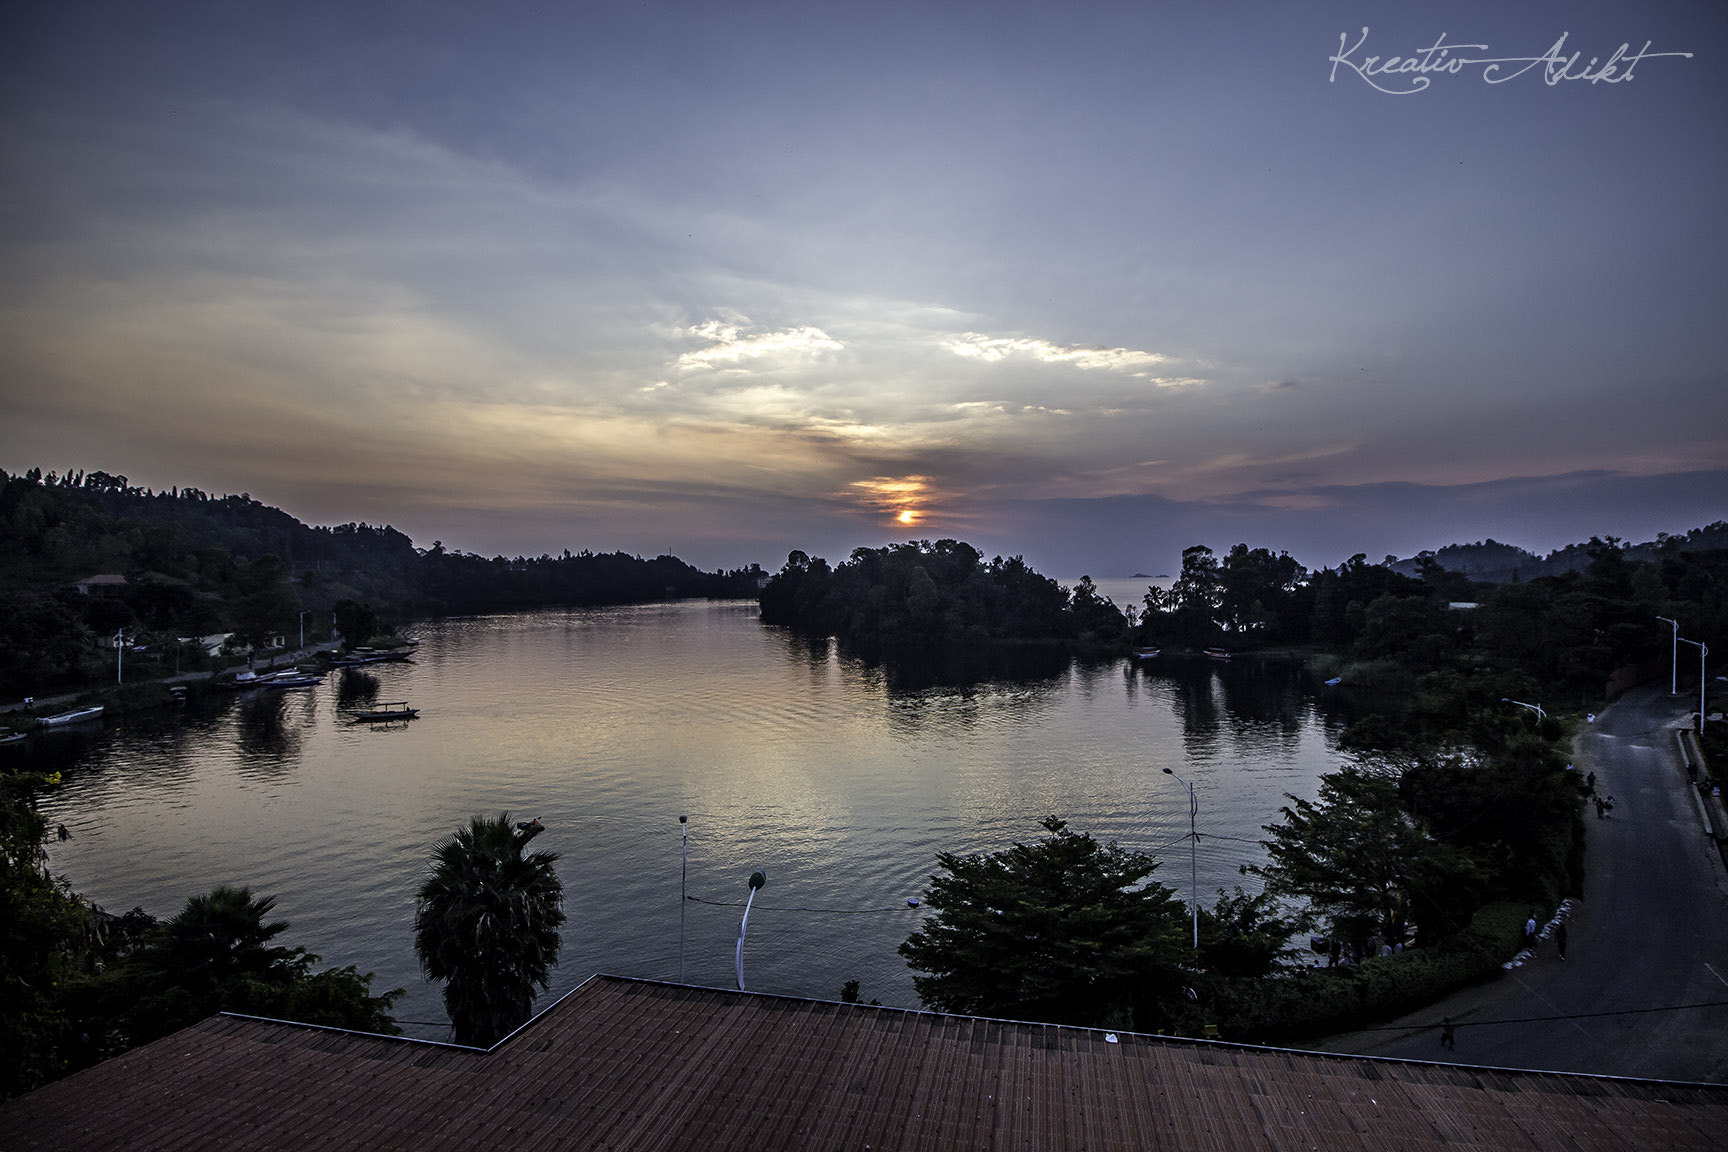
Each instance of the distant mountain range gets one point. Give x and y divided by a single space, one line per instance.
1497 563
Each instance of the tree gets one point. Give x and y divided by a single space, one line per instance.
1353 855
218 955
37 919
356 622
1064 930
486 924
1244 935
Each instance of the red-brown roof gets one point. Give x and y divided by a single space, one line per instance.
637 1065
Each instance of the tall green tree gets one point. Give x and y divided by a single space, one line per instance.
486 924
1370 869
1065 930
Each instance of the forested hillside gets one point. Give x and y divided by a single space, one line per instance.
195 564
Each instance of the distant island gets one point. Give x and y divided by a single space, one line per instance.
923 596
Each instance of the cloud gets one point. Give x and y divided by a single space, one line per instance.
729 345
994 349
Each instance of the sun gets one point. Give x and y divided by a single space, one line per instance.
907 516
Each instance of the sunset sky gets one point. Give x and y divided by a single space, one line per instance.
1086 282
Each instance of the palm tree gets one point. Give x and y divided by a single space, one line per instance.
486 924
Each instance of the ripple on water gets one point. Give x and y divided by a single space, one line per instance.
841 781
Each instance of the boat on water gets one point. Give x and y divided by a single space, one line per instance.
359 656
383 713
1218 653
294 678
72 717
7 736
1146 653
287 678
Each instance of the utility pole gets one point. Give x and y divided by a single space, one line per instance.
1193 849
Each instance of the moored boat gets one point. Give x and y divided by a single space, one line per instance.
1218 653
1146 653
72 717
383 713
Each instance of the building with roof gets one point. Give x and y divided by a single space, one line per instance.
105 584
633 1064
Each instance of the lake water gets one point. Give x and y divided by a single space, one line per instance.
841 781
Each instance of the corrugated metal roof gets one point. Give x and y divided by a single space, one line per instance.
638 1065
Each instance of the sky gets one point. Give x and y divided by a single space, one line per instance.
1087 283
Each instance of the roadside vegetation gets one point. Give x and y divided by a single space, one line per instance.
1454 813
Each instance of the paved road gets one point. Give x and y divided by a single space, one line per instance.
1650 932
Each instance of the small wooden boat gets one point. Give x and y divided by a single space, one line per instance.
1218 653
383 713
75 716
1146 653
7 736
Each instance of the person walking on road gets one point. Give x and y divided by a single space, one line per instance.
1448 1034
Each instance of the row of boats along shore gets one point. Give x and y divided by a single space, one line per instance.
312 675
278 680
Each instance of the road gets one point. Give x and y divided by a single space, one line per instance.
1651 932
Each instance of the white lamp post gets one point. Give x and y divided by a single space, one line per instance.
1193 863
1703 651
1536 708
757 880
1674 658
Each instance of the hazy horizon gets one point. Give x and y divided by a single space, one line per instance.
1088 284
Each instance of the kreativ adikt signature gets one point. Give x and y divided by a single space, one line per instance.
1404 75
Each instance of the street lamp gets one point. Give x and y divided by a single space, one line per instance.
303 629
1674 657
1536 708
757 880
1703 651
683 873
1193 862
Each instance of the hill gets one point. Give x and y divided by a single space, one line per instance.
191 564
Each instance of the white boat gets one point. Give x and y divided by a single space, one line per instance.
73 717
7 736
1146 653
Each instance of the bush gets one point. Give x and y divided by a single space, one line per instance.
1313 1002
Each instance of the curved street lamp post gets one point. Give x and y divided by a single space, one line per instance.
1536 708
1673 657
1703 651
757 880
